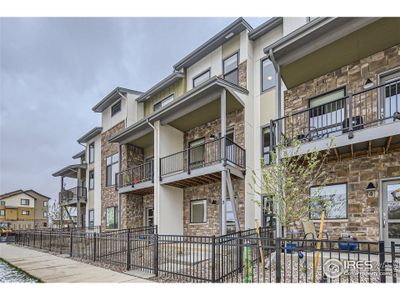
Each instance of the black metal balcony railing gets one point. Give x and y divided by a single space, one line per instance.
73 195
135 175
368 108
201 156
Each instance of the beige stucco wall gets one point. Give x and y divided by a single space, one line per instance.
15 200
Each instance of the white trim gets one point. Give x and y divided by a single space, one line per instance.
381 181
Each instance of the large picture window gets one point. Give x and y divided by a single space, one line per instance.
198 211
112 169
333 197
112 217
231 70
267 75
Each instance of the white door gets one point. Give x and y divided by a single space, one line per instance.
391 211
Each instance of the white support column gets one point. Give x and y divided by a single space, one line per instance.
156 211
223 152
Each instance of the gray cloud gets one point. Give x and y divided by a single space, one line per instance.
53 70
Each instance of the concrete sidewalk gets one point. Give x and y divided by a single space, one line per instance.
52 268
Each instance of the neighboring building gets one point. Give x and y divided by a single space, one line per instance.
24 209
342 78
181 155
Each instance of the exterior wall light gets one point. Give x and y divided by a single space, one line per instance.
368 84
371 188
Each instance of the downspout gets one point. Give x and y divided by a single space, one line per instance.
278 113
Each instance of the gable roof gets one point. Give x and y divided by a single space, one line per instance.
79 154
111 97
88 136
213 43
33 192
14 193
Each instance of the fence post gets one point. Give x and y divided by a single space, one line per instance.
240 253
155 253
394 263
278 259
49 241
213 259
382 261
70 244
351 134
60 241
34 239
94 246
41 239
128 251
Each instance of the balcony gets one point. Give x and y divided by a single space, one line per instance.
358 122
71 196
202 164
138 179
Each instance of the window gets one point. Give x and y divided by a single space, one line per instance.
327 112
268 215
333 198
25 212
196 153
266 142
230 216
24 201
198 211
267 75
91 180
112 169
91 153
91 217
201 78
163 102
230 68
112 217
116 108
45 203
390 104
2 212
45 214
2 203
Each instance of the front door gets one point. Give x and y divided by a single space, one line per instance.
391 211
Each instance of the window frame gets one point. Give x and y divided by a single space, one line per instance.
163 100
204 209
22 199
2 212
109 181
118 103
91 180
25 212
262 143
2 203
45 214
91 155
115 225
344 88
45 203
347 202
234 70
199 75
91 213
262 75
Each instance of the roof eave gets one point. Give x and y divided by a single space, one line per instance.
103 104
89 135
265 27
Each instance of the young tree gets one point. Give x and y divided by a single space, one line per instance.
286 181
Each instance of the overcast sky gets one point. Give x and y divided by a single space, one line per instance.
54 70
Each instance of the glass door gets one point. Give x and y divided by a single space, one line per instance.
391 211
390 98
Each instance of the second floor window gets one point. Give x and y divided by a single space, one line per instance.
163 102
116 108
2 203
45 203
2 212
199 79
231 69
25 212
44 214
267 75
91 153
112 168
91 180
24 201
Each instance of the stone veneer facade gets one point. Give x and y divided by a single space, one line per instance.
363 211
109 196
212 192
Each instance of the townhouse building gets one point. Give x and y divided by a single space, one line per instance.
24 210
181 154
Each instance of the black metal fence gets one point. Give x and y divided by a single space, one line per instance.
245 256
